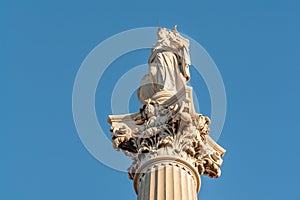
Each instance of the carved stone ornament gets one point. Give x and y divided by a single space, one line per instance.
171 128
167 124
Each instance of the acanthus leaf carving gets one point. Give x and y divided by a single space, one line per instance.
164 129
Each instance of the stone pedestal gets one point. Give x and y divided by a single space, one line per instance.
167 178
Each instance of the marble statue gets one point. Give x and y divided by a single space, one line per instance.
168 65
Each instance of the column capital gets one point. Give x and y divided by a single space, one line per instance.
167 129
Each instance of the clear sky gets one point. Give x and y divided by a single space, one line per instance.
255 45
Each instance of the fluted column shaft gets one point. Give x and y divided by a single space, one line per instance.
166 179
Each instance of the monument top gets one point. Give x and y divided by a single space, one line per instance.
167 131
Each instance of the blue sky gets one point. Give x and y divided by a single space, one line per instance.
255 45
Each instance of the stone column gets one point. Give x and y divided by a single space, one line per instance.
168 142
167 178
170 150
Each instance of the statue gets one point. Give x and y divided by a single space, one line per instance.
168 65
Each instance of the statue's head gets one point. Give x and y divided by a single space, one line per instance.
162 33
172 36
